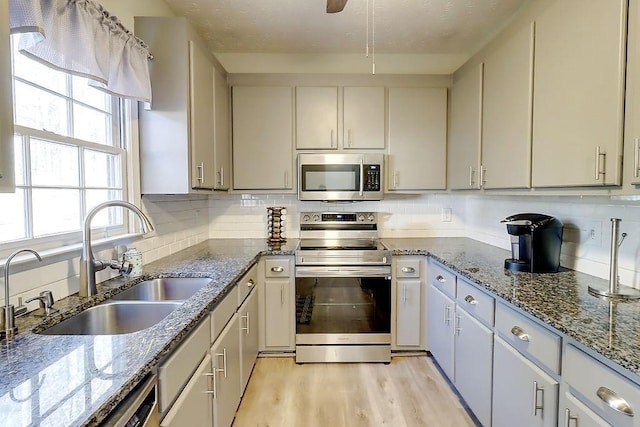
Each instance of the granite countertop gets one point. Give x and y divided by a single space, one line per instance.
78 380
560 300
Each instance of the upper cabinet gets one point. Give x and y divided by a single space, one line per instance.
262 137
579 93
316 118
463 161
507 112
363 117
7 180
417 139
186 125
632 107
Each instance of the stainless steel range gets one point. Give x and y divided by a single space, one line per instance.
343 289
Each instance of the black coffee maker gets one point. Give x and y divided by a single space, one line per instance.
535 243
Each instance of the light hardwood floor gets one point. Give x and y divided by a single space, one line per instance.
408 392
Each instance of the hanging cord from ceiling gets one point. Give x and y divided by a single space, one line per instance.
373 35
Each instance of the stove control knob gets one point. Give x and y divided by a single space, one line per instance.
371 217
361 217
316 218
306 218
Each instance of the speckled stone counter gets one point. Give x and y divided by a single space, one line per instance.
560 300
78 380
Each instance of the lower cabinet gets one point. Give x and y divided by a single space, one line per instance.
194 405
408 307
440 329
523 394
473 362
248 330
574 414
277 327
225 360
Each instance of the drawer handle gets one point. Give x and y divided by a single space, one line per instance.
214 392
471 300
250 283
440 279
520 333
614 401
408 270
568 418
277 269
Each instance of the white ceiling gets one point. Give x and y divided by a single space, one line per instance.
245 34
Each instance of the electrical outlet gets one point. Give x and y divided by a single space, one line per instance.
591 233
446 214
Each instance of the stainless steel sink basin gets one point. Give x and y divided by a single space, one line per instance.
164 289
112 318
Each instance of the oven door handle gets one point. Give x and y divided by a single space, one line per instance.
361 177
343 271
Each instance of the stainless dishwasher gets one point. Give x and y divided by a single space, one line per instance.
139 408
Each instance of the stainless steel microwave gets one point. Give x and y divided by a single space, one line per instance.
335 176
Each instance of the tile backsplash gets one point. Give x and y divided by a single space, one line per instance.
183 221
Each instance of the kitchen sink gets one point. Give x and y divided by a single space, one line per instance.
112 318
164 289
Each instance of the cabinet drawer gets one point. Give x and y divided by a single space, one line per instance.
277 267
246 284
595 384
223 312
528 337
442 279
475 302
408 267
174 373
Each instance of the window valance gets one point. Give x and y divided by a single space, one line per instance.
82 38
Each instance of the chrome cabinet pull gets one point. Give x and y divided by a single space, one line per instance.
286 179
250 283
471 172
440 279
457 328
331 138
200 169
520 333
349 137
221 177
447 312
598 169
281 295
215 385
277 269
408 270
224 362
568 418
404 294
395 179
483 178
246 329
614 401
471 300
537 407
636 160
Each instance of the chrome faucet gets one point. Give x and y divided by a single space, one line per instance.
88 264
8 318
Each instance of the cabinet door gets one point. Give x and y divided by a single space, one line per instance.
201 133
507 102
222 140
519 387
440 329
473 364
463 161
248 337
579 93
278 314
225 359
574 413
194 405
7 183
417 139
316 117
408 312
363 117
262 138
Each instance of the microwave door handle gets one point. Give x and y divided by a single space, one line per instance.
361 177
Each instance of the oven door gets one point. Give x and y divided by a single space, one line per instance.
350 305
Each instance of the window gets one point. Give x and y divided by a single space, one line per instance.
70 155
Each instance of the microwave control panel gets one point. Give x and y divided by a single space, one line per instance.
371 178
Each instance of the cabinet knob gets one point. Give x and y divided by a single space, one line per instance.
250 283
614 401
277 269
440 278
471 300
408 270
520 333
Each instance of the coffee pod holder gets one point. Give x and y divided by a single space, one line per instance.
276 224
